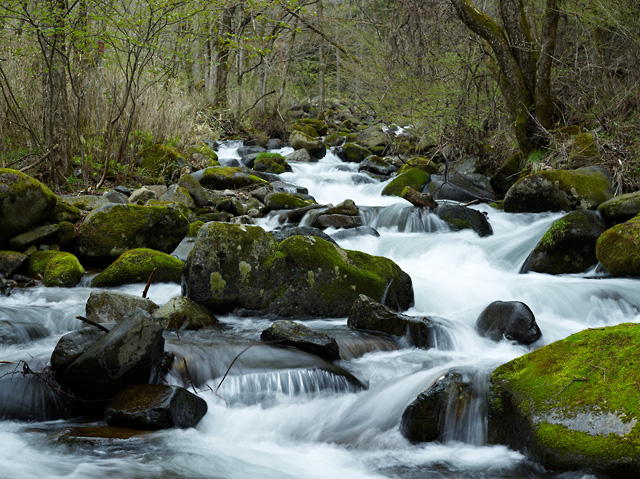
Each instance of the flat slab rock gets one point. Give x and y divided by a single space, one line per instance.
289 333
155 406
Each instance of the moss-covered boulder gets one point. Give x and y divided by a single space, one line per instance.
621 208
574 403
24 202
415 178
64 211
136 266
178 194
584 151
618 248
569 246
181 312
234 266
63 270
195 190
285 201
422 163
559 190
299 336
110 230
374 136
38 262
311 126
227 177
155 406
85 202
378 166
352 152
161 160
302 141
271 163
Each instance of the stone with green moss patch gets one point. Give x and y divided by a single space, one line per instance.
271 163
574 403
584 151
285 201
352 152
559 190
181 312
64 211
110 230
414 177
38 262
618 248
24 202
227 177
234 266
63 270
161 160
621 208
425 164
136 266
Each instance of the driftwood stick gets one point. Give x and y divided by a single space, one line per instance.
92 323
33 165
418 199
146 288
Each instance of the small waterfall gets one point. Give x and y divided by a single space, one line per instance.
403 218
465 419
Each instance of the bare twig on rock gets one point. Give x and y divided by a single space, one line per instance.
146 288
418 199
92 323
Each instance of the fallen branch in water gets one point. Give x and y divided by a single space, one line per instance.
146 288
418 199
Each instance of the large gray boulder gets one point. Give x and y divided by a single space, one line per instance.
113 307
131 353
559 190
569 246
369 315
461 187
302 141
110 230
24 202
234 266
73 345
512 320
299 336
155 406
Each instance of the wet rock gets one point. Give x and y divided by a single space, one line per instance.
110 230
285 201
445 401
621 208
110 307
297 215
10 262
617 248
73 345
377 166
244 151
296 335
512 320
367 314
63 271
302 156
37 236
374 136
572 405
275 144
233 266
461 187
352 152
569 246
336 221
155 406
414 177
559 190
24 203
181 312
461 217
195 190
292 230
130 353
302 141
227 177
136 266
353 232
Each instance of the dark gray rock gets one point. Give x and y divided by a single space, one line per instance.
569 246
512 320
377 166
296 335
155 406
73 345
131 353
353 232
250 150
367 314
462 188
292 230
37 236
461 217
10 262
195 189
113 307
275 144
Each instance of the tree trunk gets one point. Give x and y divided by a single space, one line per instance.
524 66
55 113
222 58
322 63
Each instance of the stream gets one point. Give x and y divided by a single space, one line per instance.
282 413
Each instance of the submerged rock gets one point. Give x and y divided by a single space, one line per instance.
512 320
289 333
461 217
367 314
155 406
234 266
572 405
569 246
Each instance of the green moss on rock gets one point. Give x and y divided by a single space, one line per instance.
618 248
38 262
573 404
270 163
424 164
228 177
414 177
161 159
136 266
63 270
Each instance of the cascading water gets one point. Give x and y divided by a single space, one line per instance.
286 414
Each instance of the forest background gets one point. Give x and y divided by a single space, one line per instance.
85 85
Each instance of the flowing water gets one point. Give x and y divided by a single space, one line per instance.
286 414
